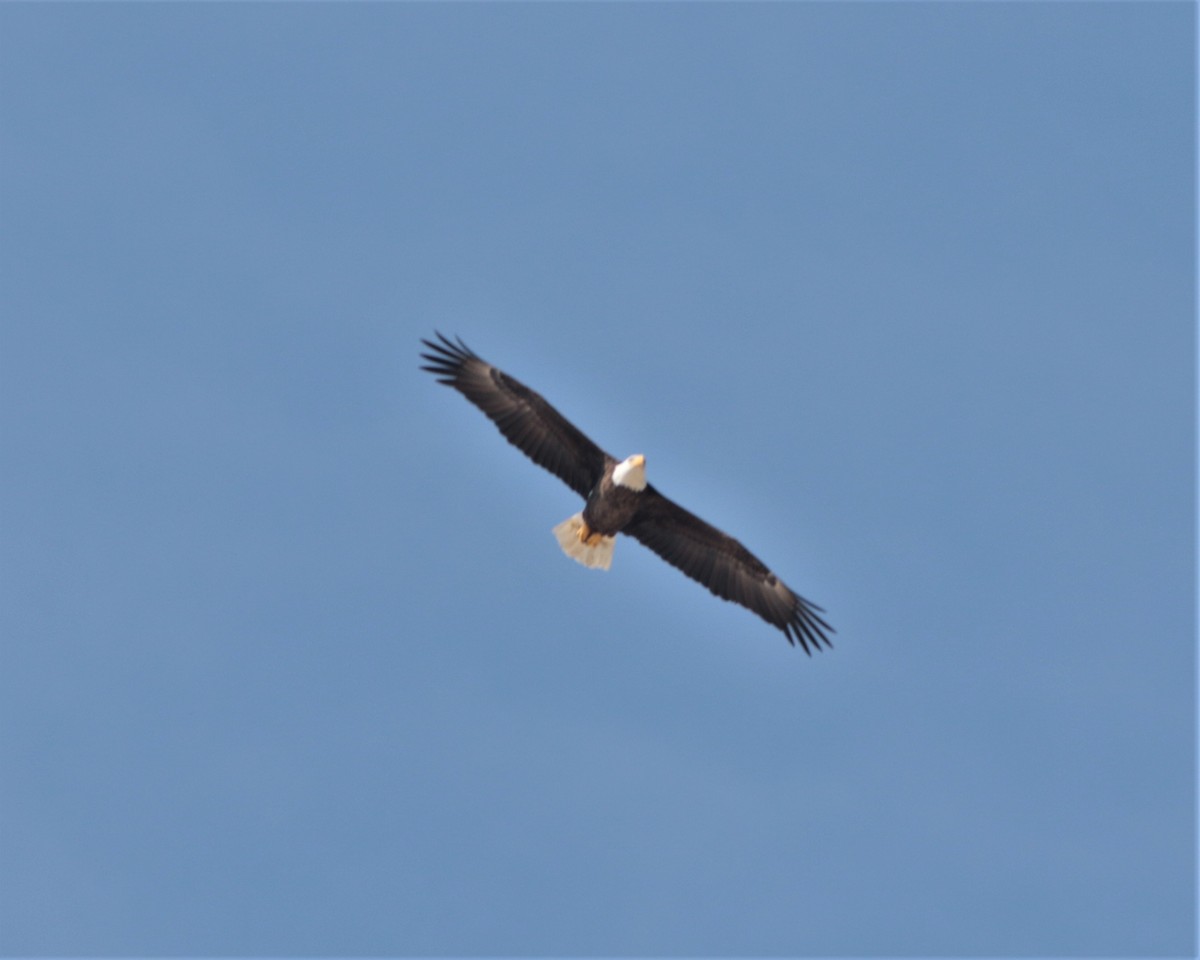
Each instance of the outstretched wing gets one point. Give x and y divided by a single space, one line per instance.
727 568
524 417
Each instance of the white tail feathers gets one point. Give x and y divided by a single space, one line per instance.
596 554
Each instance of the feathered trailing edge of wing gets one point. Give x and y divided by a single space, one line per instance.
527 421
728 569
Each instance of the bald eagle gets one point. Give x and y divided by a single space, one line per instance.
619 500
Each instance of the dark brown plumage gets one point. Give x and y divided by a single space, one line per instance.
700 550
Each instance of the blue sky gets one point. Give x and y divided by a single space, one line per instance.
902 296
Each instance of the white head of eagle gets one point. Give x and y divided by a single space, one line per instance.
631 472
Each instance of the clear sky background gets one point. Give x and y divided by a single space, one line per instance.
900 295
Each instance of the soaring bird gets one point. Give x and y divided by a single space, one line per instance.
619 500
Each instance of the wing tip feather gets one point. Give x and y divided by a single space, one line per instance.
446 359
807 628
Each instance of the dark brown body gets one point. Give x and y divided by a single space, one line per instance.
610 506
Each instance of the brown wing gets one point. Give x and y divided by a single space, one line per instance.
727 568
524 417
